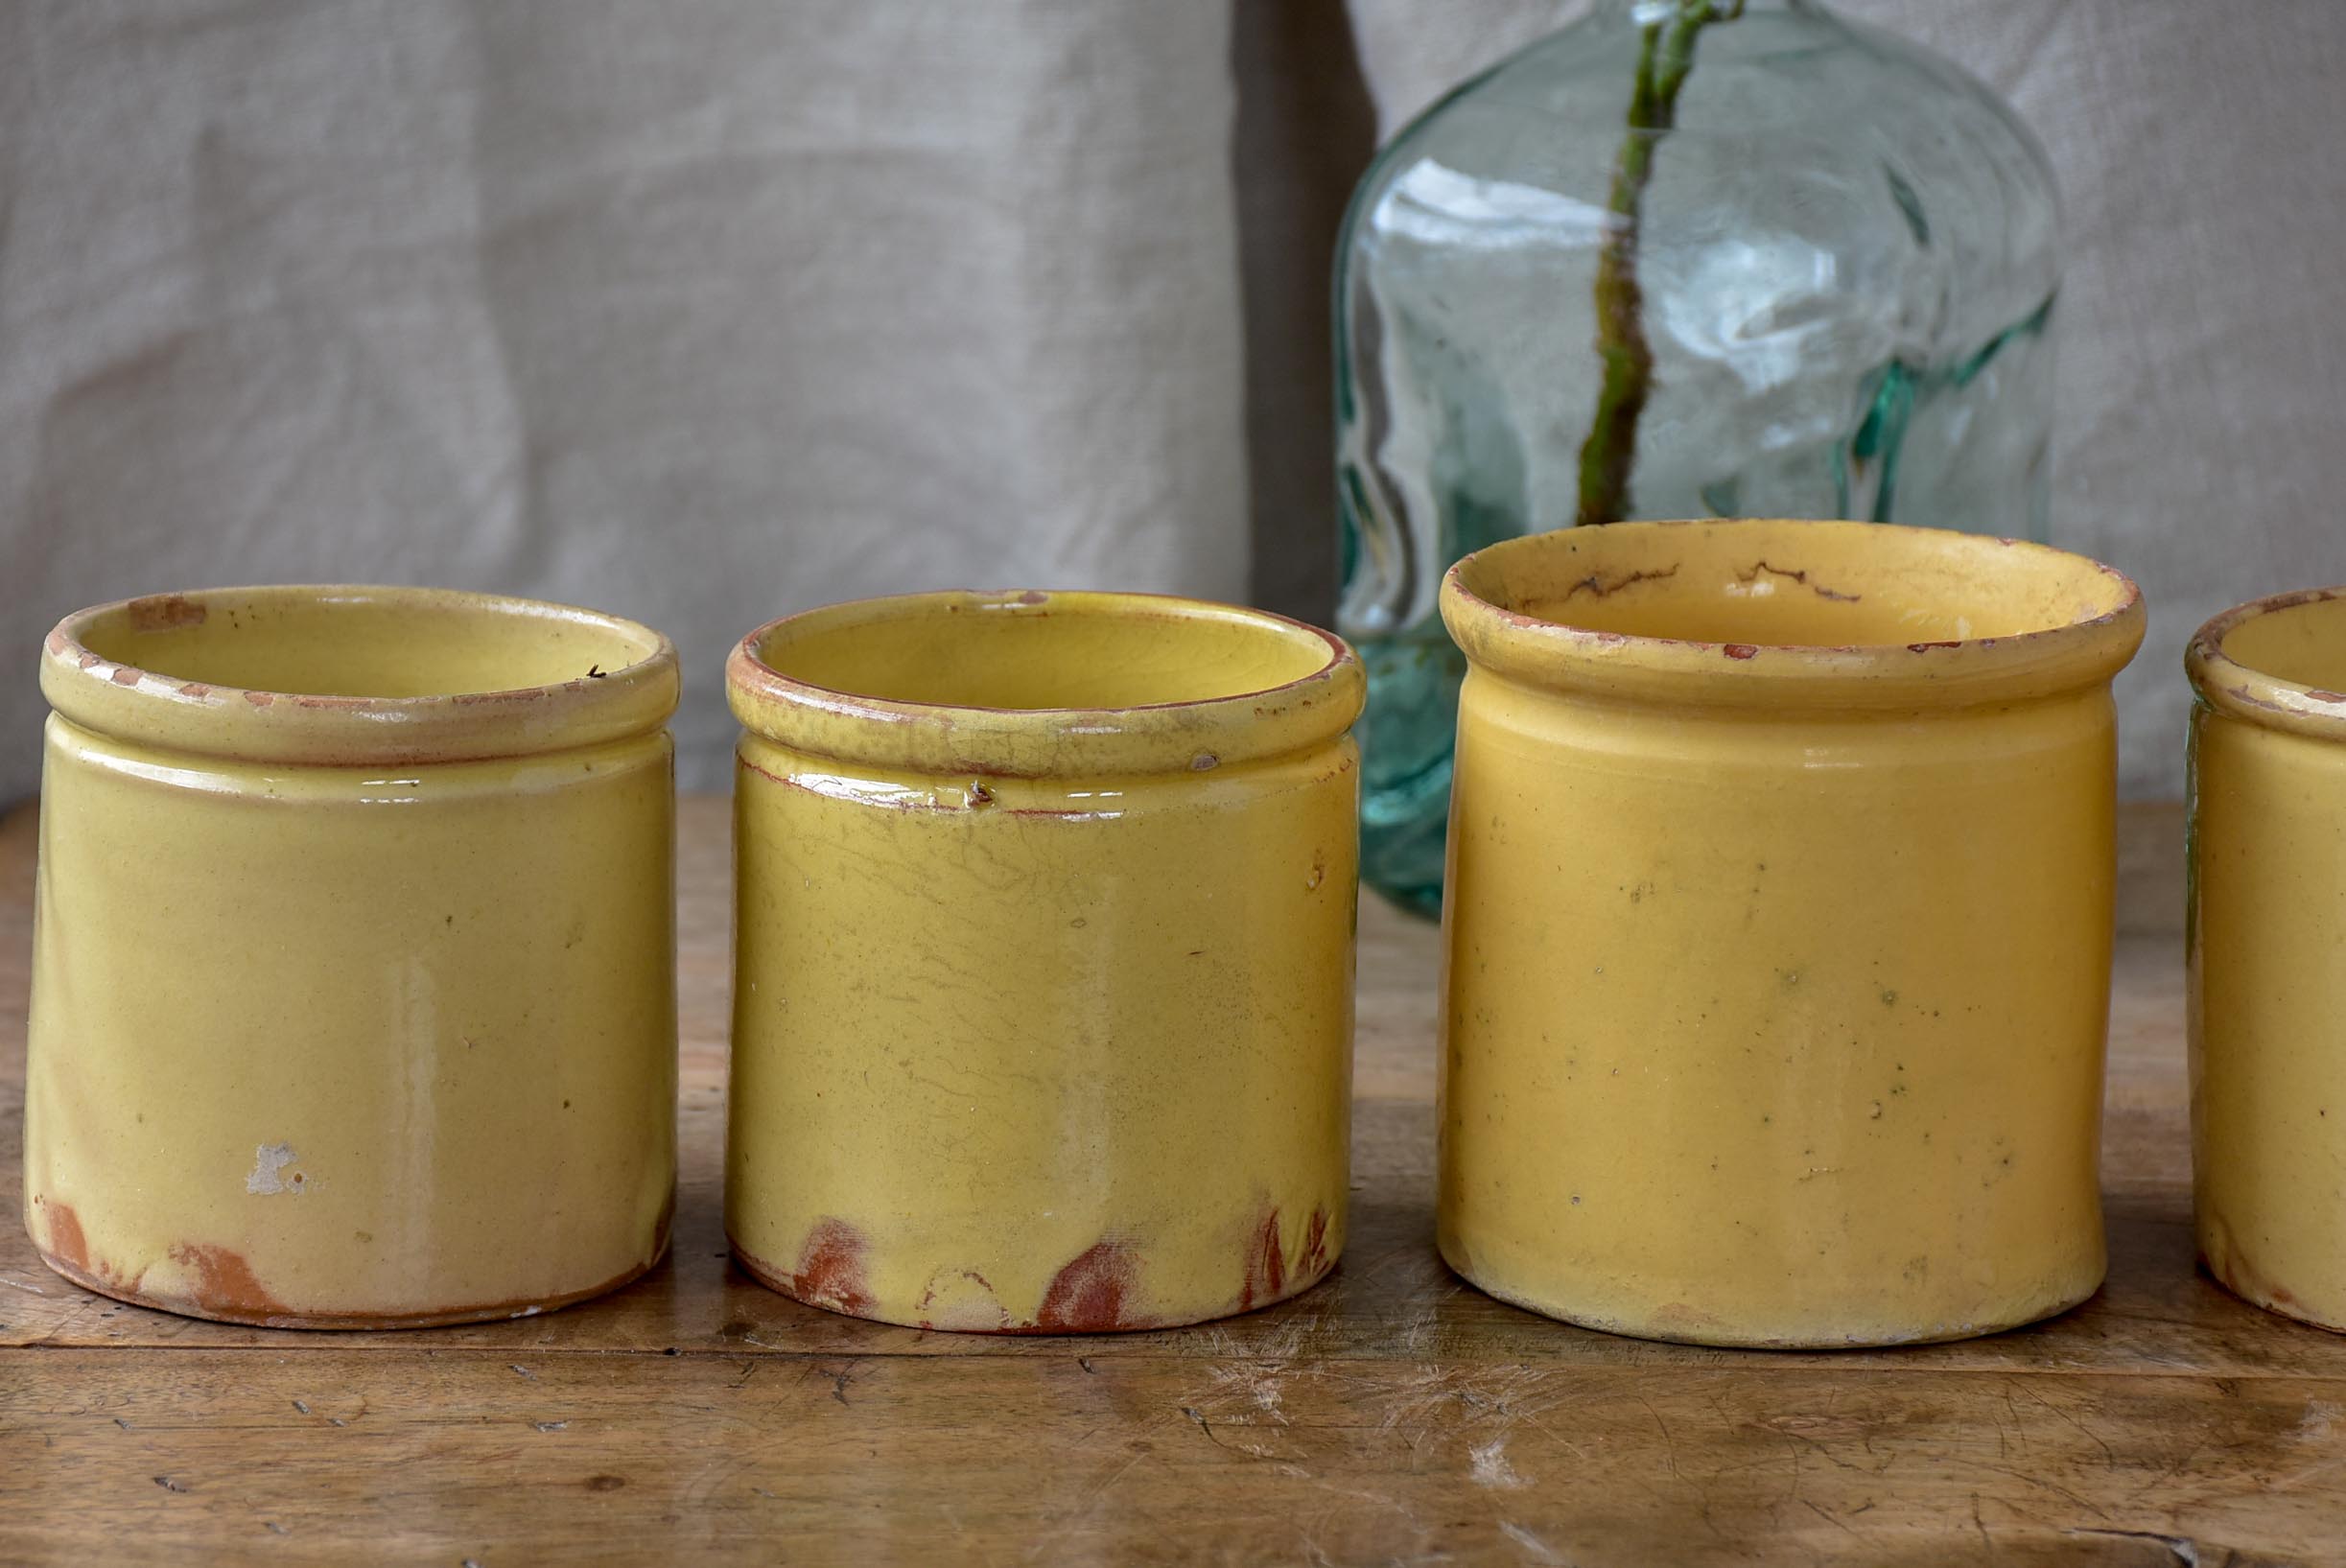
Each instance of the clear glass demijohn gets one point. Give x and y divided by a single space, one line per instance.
1682 258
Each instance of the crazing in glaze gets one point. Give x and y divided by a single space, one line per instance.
1779 928
1042 1001
353 962
2268 848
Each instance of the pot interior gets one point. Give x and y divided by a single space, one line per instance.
1040 652
2303 643
1792 584
361 643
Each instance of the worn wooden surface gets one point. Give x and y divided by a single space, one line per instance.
1392 1415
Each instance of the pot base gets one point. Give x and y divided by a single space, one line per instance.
781 1283
2262 1294
1695 1332
185 1307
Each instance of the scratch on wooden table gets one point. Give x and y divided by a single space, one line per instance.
1255 1383
2082 1429
2185 1549
1491 1467
1670 1446
1541 1550
2040 1483
1828 1516
1421 1392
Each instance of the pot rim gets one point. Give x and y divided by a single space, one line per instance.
2244 692
127 703
2071 655
1193 735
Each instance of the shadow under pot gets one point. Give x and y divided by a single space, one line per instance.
1044 959
1779 936
353 980
2267 926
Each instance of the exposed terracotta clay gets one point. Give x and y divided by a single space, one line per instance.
1266 1266
1091 1293
830 1271
1679 1317
224 1282
223 1277
65 1238
1315 1244
2235 1274
1095 1293
164 611
530 693
1740 650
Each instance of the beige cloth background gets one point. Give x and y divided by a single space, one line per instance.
707 310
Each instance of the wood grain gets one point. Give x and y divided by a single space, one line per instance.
1392 1415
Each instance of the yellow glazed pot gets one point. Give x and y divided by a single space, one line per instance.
1042 998
353 995
2267 924
1777 942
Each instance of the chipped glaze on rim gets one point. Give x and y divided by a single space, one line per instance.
127 703
2224 684
2074 655
941 738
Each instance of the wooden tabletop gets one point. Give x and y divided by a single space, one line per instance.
1392 1415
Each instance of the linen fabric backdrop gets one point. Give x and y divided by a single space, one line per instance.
706 311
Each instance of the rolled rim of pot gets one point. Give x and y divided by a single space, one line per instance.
2278 660
1836 617
344 675
1034 684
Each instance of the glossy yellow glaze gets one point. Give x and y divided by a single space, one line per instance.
353 992
1044 959
1779 928
2267 924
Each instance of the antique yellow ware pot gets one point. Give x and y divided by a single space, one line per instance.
1777 943
352 993
1043 993
2267 926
